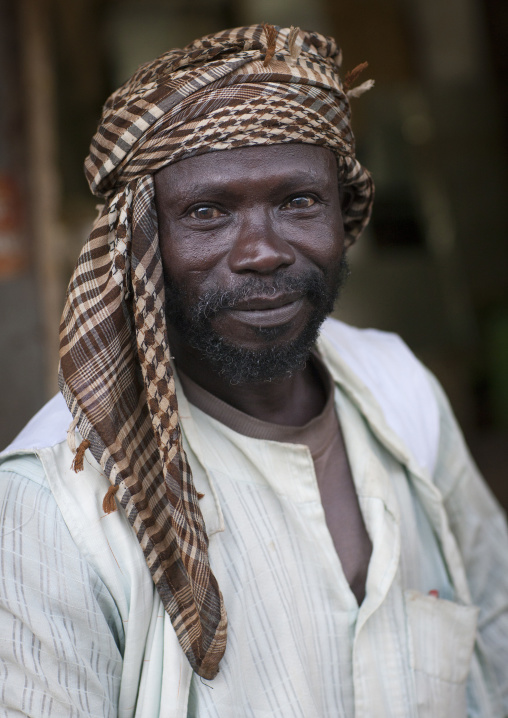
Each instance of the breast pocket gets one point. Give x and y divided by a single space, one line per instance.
441 642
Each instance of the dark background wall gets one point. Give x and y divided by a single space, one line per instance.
434 132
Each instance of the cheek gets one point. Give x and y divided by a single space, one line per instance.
332 244
322 242
334 236
190 257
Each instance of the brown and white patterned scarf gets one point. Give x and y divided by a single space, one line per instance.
255 85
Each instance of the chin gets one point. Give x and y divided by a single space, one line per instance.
278 358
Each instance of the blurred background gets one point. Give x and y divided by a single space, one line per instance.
433 265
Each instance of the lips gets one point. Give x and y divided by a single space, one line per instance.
268 311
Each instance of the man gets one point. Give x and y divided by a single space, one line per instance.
227 458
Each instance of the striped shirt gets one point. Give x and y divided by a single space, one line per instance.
298 643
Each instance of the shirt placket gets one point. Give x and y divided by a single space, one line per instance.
379 655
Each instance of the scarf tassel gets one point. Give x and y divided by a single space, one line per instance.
109 503
271 40
77 462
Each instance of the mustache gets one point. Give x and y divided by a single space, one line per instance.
311 284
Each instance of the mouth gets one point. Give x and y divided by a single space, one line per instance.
268 311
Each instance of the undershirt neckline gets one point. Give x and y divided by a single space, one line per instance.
316 434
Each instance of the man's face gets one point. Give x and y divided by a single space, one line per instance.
252 244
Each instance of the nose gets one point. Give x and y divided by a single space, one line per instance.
258 247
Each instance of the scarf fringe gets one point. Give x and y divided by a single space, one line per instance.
77 462
271 40
364 87
294 49
109 503
352 76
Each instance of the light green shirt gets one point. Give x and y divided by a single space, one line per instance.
84 632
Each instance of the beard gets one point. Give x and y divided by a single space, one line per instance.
241 365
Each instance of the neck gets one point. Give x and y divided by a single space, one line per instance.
291 401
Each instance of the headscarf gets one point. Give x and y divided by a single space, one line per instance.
254 85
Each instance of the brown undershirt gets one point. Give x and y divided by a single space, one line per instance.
323 437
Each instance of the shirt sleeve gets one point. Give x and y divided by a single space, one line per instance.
60 632
479 526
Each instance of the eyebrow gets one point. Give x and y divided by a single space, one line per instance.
297 180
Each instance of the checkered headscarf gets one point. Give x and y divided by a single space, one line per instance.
249 86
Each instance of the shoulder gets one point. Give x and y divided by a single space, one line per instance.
384 373
47 428
26 499
381 361
365 348
41 454
25 493
23 464
39 459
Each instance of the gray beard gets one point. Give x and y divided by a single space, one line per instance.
250 366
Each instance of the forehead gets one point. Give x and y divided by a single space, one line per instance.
268 162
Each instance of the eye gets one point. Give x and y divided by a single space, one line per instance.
302 201
205 211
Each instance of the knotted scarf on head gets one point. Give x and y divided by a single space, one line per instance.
223 91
